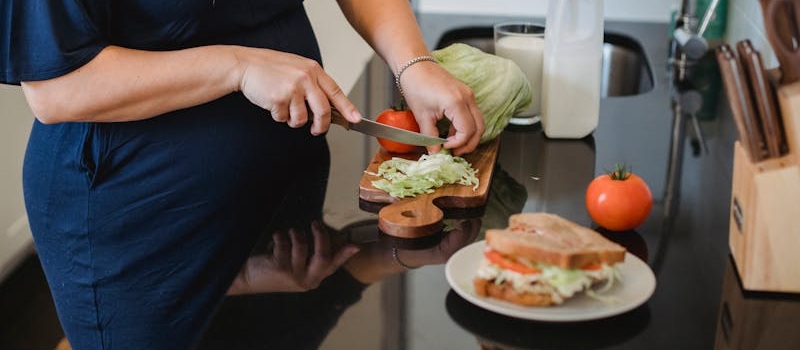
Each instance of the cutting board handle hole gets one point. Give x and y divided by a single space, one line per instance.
408 214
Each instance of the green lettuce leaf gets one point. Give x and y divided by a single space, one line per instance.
501 88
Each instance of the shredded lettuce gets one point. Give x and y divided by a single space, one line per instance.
566 281
559 282
407 178
612 278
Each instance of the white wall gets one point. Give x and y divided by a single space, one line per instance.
344 53
15 123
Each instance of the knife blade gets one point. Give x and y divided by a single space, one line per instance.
373 128
765 99
741 102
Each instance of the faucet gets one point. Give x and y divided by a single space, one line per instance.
692 45
687 47
687 34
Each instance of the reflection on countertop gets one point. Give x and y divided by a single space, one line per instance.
753 320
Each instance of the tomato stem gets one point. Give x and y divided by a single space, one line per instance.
401 106
620 172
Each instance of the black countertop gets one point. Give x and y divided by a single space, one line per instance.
698 302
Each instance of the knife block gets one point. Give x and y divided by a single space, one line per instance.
764 230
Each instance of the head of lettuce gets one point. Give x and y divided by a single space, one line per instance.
501 88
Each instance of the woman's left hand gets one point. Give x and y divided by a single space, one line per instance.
432 94
382 258
292 266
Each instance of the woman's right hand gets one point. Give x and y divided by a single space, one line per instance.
289 86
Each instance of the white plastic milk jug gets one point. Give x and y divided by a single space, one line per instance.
573 54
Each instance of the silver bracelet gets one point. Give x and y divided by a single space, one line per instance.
397 259
405 66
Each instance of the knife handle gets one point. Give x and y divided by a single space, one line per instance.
338 119
765 99
781 18
739 99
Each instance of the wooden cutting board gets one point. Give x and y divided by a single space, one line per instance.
422 215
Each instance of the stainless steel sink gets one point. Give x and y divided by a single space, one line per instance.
626 70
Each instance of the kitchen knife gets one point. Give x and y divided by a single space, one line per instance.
781 24
373 128
740 101
766 104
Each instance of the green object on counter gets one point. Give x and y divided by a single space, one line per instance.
707 79
717 23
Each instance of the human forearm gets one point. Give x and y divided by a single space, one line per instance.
122 84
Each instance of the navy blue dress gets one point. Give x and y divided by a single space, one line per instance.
142 226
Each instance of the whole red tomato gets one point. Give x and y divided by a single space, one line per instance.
619 200
403 119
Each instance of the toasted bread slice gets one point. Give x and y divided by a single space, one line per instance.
553 240
506 292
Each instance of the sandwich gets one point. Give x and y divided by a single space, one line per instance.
543 259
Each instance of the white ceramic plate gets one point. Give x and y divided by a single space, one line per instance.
637 285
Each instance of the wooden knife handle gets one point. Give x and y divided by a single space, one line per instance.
338 118
765 100
740 101
781 18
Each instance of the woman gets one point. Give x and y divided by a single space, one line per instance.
162 129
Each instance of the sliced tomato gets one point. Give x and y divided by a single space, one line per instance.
509 264
592 266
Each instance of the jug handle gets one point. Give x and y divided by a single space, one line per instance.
558 13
